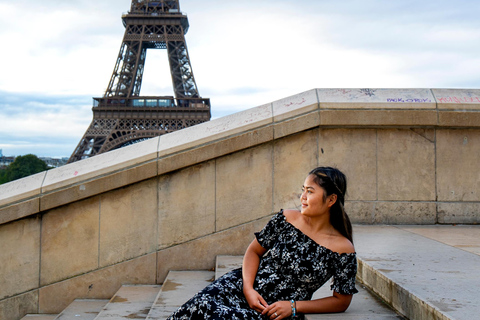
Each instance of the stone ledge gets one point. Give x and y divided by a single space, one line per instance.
420 276
353 108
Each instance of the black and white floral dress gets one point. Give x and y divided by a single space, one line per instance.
294 267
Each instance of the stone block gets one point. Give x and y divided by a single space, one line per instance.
102 164
353 151
215 149
216 129
377 118
100 284
297 124
376 98
459 213
17 307
21 189
458 173
19 210
406 165
128 222
69 241
20 198
186 204
200 254
457 99
405 213
294 106
97 186
294 157
244 186
19 256
462 119
360 212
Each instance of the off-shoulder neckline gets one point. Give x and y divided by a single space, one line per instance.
313 241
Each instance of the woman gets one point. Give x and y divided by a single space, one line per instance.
293 256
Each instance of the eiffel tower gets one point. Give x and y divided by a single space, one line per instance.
123 117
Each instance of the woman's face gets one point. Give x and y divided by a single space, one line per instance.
312 199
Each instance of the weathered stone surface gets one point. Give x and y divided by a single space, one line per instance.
99 185
360 212
100 284
294 106
19 256
457 99
216 129
459 119
105 163
19 210
200 254
70 241
128 220
292 162
18 306
376 98
21 189
458 174
354 153
297 124
406 165
244 186
186 204
405 213
378 118
459 213
214 150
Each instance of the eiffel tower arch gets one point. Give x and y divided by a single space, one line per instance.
122 117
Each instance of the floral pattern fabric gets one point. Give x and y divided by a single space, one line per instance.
294 267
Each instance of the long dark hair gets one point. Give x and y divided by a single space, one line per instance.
333 181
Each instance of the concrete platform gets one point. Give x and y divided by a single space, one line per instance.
424 272
82 309
130 302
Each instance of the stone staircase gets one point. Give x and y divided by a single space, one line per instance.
423 272
157 302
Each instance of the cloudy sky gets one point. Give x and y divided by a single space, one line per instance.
56 55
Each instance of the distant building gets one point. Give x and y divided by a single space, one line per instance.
51 162
54 162
6 161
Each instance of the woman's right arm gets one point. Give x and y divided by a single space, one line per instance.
251 261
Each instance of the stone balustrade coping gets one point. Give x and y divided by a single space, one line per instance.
329 108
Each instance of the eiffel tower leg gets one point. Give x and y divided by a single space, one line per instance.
122 116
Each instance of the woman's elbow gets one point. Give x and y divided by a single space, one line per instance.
343 302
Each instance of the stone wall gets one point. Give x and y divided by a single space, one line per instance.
177 201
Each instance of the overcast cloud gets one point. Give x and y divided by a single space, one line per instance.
57 55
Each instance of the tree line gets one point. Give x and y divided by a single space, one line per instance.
22 167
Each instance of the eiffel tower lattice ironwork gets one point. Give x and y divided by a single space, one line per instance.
123 117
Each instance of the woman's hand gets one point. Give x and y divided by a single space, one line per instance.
255 300
278 310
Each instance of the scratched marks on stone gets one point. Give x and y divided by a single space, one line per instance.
295 103
368 92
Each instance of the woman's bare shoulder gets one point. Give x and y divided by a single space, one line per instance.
342 245
291 215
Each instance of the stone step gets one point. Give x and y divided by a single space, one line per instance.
364 306
178 287
39 317
82 309
130 302
419 270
